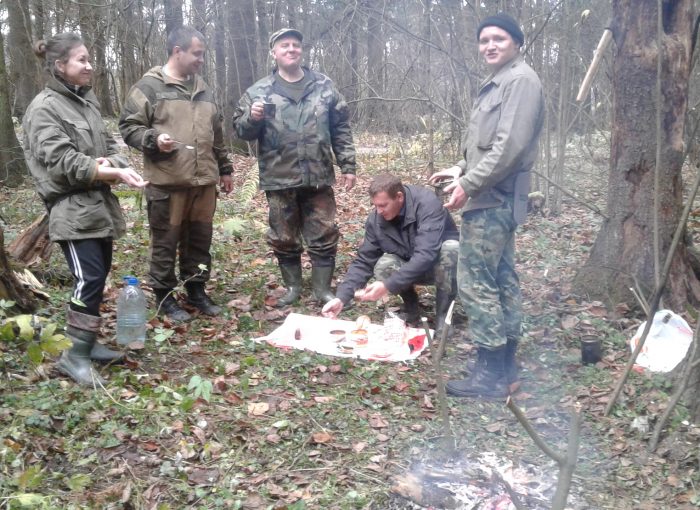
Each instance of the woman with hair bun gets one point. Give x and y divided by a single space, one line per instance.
73 160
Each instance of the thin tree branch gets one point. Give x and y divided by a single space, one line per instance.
570 194
556 457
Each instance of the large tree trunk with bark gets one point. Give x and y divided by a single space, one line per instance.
12 165
94 28
24 71
623 254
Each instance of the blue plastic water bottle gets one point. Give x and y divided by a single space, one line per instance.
131 312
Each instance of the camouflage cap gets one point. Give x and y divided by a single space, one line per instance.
283 32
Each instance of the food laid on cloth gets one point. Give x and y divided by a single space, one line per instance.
356 339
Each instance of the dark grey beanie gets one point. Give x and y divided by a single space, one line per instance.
504 21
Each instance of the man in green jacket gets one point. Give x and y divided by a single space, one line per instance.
490 187
171 116
299 120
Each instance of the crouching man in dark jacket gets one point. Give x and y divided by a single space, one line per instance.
409 239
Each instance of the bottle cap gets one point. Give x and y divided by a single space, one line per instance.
131 280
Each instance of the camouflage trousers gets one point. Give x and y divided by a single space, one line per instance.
303 213
180 222
443 275
488 284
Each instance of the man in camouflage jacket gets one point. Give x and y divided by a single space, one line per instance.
170 115
300 121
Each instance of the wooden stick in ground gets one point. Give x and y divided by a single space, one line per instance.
566 469
595 64
656 297
566 463
448 440
682 385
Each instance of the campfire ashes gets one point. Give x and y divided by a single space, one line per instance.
484 483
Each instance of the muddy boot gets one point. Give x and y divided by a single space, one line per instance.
167 306
510 365
442 304
291 275
410 309
75 362
321 283
197 297
487 381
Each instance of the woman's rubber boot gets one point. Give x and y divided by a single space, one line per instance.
291 276
75 362
100 353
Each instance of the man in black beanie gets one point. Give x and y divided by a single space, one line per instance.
490 187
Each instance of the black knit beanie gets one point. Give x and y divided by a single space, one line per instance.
504 21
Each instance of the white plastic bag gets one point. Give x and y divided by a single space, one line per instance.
667 342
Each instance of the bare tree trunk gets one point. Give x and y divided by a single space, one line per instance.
94 26
12 165
24 71
173 14
127 44
261 62
375 63
562 112
240 70
39 19
220 55
623 251
427 25
200 15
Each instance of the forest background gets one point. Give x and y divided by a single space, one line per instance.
202 415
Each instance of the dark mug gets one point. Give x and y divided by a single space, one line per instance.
269 110
591 351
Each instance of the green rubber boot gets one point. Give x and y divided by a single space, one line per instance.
81 321
75 362
291 275
321 282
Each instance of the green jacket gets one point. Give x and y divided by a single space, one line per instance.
296 148
501 144
159 104
63 135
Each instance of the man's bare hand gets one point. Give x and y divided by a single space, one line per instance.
458 197
166 143
332 308
348 181
447 174
372 292
226 183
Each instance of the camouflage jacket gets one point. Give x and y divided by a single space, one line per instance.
501 143
416 237
63 136
159 104
295 147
